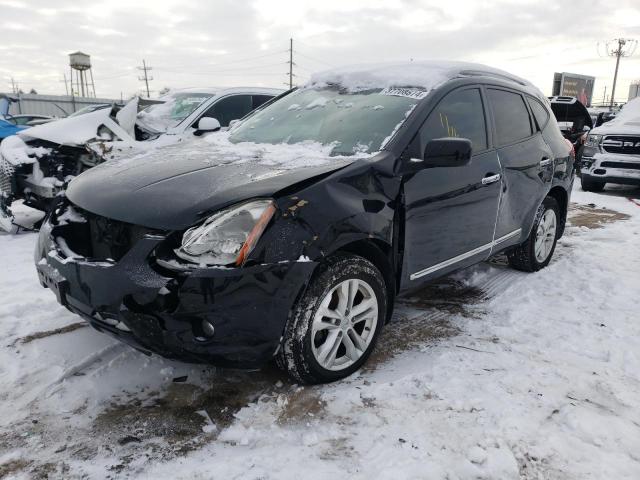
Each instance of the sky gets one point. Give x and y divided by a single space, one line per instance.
243 43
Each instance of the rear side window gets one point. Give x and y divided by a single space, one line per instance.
511 116
230 108
540 113
260 99
459 114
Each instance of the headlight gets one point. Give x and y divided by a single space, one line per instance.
593 140
227 236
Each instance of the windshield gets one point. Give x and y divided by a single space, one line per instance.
175 108
350 122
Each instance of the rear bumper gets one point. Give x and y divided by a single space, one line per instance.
612 168
160 311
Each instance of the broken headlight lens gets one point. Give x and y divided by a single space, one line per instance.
227 236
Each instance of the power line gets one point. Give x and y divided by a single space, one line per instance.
317 60
240 60
227 73
213 72
146 78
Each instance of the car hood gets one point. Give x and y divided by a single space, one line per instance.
81 129
174 187
75 131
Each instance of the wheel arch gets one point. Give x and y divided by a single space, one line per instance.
562 197
380 254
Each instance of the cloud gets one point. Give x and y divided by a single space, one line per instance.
226 42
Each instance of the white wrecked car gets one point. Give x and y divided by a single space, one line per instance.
37 164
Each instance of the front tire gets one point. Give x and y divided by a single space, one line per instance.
334 326
536 252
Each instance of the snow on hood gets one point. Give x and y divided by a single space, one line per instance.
424 74
626 122
16 152
71 130
217 145
169 188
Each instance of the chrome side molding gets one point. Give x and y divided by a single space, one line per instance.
464 256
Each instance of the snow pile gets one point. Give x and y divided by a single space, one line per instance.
16 152
423 74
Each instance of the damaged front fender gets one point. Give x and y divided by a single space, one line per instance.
357 203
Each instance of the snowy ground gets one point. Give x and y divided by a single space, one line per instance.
490 373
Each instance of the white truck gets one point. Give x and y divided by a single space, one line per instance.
611 151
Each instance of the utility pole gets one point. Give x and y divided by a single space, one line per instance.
14 87
145 78
290 63
625 48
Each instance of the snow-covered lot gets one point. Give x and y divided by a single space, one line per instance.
489 373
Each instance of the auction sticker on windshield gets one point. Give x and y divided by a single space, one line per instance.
404 92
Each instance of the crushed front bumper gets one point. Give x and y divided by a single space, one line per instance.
612 168
157 310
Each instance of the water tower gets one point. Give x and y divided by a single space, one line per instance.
83 85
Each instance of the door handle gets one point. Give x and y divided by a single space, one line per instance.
491 179
545 162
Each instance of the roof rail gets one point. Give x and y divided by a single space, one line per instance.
485 73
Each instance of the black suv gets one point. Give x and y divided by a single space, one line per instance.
291 235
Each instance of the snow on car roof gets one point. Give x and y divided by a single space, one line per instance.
424 74
627 121
630 112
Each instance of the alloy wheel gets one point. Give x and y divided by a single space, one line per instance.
344 324
545 235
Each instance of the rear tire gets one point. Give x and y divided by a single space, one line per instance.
589 185
334 326
536 252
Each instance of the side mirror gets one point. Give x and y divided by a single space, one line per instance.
447 152
207 124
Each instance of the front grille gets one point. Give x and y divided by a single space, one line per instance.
622 144
629 166
7 172
112 239
101 238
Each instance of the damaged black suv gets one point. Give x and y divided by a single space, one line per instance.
290 236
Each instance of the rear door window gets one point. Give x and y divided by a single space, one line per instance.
512 119
460 114
230 108
260 99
